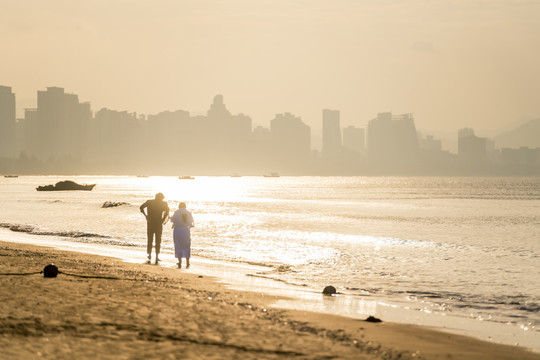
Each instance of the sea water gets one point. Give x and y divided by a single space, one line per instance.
445 248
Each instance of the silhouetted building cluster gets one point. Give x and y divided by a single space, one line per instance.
515 160
63 135
471 148
392 140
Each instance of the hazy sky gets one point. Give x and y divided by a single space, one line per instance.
452 63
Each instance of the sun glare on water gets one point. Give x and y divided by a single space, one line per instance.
200 189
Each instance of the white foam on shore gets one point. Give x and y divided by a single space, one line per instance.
236 276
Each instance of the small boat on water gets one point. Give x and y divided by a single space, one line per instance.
271 175
11 176
186 177
66 185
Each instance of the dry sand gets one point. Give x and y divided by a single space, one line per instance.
153 312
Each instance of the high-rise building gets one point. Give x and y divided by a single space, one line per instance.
471 148
465 132
331 133
290 136
216 127
8 122
217 109
226 136
392 138
118 137
353 139
62 123
173 128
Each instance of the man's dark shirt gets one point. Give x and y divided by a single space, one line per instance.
158 211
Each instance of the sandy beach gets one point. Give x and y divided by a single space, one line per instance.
138 311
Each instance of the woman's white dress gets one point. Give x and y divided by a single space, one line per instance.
182 233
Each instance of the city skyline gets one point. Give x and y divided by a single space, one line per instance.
64 133
448 139
452 64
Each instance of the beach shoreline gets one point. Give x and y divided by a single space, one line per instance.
161 312
262 279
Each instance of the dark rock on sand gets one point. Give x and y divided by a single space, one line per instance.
329 290
373 319
50 271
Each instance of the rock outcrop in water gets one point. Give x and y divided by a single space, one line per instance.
65 186
109 204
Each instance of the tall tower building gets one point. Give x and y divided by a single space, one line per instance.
218 110
117 140
291 138
471 148
392 139
62 124
226 135
465 132
331 135
8 123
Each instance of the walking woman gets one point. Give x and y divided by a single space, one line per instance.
182 221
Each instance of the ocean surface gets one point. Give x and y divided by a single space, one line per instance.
459 247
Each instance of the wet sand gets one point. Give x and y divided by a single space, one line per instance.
139 311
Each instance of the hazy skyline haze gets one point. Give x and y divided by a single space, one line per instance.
451 63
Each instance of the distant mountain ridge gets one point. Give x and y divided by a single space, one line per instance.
527 134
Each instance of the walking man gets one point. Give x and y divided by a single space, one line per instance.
156 215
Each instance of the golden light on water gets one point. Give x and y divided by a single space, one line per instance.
198 189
